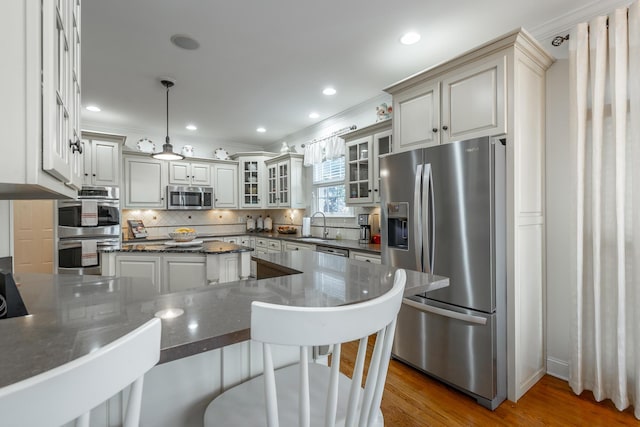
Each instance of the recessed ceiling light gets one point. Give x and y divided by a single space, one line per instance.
192 127
184 42
93 108
329 91
410 38
261 130
314 115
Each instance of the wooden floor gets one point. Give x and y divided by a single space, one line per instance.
413 399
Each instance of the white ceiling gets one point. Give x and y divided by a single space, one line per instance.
265 63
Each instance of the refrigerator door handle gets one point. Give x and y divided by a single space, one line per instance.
469 318
428 217
432 258
417 215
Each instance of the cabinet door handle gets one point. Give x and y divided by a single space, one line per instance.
445 127
435 130
75 146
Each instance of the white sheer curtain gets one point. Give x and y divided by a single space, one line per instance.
329 148
605 125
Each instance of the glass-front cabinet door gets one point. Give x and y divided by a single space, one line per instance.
272 185
283 183
250 185
382 144
358 176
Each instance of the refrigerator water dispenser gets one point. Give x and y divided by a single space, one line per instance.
397 225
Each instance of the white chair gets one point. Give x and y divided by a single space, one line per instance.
306 393
70 391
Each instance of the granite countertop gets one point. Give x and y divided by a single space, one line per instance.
214 247
354 245
71 316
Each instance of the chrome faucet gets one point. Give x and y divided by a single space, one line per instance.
325 233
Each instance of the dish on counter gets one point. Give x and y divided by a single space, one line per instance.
183 234
190 243
286 229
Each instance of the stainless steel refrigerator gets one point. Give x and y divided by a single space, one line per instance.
443 211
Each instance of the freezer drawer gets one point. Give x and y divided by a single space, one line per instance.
453 344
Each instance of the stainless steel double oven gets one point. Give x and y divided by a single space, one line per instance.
73 236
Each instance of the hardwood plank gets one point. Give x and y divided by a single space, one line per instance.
413 399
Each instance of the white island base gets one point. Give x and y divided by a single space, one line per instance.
174 272
177 393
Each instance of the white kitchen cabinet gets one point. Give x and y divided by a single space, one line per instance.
362 168
365 256
295 246
183 271
285 187
102 158
463 103
173 272
189 173
252 178
40 110
264 245
238 240
145 182
225 185
138 265
497 89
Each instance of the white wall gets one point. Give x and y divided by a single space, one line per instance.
560 181
6 228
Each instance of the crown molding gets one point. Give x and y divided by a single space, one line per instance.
564 23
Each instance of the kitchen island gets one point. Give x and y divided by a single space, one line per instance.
205 349
179 266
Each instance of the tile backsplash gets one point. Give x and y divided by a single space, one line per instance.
225 222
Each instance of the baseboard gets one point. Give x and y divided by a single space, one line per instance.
558 368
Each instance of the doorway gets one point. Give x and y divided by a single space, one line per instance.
33 222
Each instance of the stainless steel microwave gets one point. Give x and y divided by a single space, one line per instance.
179 197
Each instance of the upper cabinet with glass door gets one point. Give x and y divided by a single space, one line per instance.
252 178
285 178
363 148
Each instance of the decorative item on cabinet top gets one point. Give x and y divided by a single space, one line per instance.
221 154
187 151
145 145
383 112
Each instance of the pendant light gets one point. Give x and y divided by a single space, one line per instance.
167 149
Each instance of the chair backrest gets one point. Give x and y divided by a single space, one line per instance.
70 391
319 326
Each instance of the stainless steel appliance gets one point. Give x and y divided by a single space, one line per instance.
192 198
74 238
333 251
443 211
365 228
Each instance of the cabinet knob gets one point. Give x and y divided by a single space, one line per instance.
369 190
375 190
434 130
445 127
93 174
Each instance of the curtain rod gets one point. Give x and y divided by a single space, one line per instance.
558 40
336 133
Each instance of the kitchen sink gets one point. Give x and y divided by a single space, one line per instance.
314 240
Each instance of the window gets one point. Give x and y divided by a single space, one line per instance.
329 188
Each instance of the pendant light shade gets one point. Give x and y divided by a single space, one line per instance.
167 152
